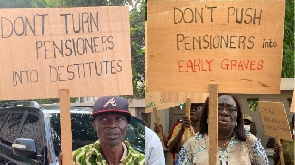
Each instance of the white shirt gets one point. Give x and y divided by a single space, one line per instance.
154 154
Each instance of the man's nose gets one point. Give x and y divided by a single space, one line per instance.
112 123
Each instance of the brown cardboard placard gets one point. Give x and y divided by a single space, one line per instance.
177 97
154 100
85 50
195 43
274 119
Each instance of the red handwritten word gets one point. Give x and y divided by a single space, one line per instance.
201 65
194 65
228 64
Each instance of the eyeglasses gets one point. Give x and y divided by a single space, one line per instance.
229 108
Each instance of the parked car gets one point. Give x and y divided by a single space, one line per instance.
30 133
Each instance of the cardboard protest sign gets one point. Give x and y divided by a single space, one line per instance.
154 100
182 96
274 119
195 43
85 50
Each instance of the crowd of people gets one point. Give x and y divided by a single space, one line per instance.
237 141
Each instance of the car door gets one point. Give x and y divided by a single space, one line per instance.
19 122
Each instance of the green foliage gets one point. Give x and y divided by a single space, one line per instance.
253 102
85 3
28 3
137 31
288 51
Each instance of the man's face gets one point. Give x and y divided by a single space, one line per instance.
111 128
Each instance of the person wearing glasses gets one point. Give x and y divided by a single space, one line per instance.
235 146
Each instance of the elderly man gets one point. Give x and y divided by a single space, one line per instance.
110 120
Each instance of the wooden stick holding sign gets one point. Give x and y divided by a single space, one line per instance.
292 108
278 141
187 114
65 125
213 123
160 134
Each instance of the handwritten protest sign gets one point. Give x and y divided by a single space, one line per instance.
182 96
274 119
154 100
85 50
235 44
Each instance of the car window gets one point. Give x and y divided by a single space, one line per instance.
33 128
10 127
135 134
82 131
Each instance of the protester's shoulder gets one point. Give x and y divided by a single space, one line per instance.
149 132
134 157
195 140
178 126
132 151
252 138
86 148
153 138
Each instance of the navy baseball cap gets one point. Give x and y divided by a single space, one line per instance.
109 104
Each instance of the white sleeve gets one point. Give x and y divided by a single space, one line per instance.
154 153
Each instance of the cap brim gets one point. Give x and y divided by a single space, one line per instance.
110 111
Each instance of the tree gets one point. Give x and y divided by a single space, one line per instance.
137 30
28 3
85 3
288 51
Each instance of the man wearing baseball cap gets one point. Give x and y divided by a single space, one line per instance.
110 120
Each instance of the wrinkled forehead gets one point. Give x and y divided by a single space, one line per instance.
226 99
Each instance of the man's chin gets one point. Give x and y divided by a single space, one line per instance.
114 142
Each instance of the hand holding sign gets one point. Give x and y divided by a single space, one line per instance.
187 114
